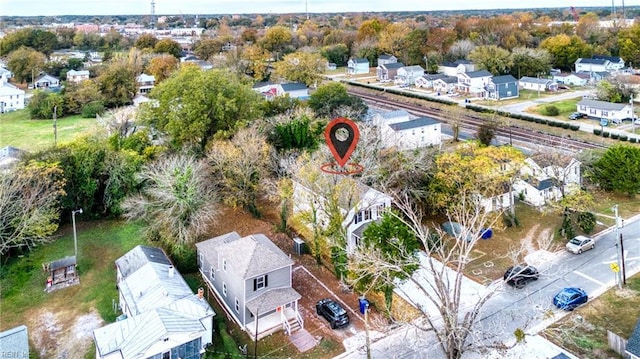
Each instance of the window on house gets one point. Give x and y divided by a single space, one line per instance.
212 274
224 289
237 305
367 214
358 218
605 113
422 130
260 282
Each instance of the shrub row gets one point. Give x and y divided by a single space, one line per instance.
394 91
613 136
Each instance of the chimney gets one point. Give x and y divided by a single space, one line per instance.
200 293
171 271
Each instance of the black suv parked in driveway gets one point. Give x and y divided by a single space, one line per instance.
332 312
518 276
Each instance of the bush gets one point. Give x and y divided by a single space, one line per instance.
550 110
615 136
566 126
586 221
605 134
92 109
633 140
623 137
575 127
597 132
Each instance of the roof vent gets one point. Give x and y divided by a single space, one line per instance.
171 271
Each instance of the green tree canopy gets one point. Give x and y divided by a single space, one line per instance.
338 54
40 40
331 99
117 83
565 50
168 46
146 41
193 105
618 170
302 67
491 58
25 62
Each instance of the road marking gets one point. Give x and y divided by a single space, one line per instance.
588 277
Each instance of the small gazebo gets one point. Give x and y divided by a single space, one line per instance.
62 273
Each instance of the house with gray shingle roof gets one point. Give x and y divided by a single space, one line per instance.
252 278
614 112
502 88
537 84
14 343
387 71
161 317
357 66
411 134
541 180
633 344
474 83
407 75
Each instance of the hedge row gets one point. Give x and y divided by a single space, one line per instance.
613 136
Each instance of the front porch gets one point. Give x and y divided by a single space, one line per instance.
273 322
272 311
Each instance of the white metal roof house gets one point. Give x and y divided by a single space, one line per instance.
359 210
456 67
77 76
11 97
252 278
592 65
357 66
14 343
614 112
295 90
541 180
162 318
474 83
388 117
386 59
537 84
46 81
407 75
145 83
411 134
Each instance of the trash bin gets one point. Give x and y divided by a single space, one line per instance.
364 303
487 233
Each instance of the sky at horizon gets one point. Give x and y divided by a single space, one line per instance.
171 7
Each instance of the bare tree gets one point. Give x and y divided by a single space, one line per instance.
447 310
177 200
29 205
118 120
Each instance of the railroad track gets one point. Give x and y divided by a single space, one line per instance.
472 122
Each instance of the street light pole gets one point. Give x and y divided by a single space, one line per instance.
75 238
633 116
618 247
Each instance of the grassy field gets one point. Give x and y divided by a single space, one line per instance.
17 130
584 331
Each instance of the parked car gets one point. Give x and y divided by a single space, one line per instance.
579 244
333 313
575 115
518 276
570 298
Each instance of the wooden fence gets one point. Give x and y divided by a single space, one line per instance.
616 343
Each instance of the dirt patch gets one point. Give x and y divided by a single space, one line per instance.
61 335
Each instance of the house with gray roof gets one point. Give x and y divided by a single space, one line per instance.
614 112
616 63
445 85
386 59
502 88
46 81
356 66
252 278
540 180
537 84
411 134
407 75
77 76
388 71
592 65
474 83
295 90
632 349
456 67
14 343
162 317
572 78
426 80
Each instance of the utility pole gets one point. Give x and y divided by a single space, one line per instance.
618 246
366 328
633 116
624 271
55 126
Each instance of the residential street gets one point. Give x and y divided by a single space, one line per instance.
529 308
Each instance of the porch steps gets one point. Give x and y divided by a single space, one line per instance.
303 340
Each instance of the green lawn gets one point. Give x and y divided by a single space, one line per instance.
565 107
17 130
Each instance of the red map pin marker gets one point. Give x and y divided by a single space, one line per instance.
342 136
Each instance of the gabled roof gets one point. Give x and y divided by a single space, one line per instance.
541 185
449 64
386 57
633 344
602 105
462 62
393 65
145 78
78 73
447 79
62 263
414 68
504 79
431 77
246 257
534 80
614 59
46 77
293 86
477 74
394 114
592 61
360 60
263 84
415 123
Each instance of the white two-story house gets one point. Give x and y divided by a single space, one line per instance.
474 83
542 181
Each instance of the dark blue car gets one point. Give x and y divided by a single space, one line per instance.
570 298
